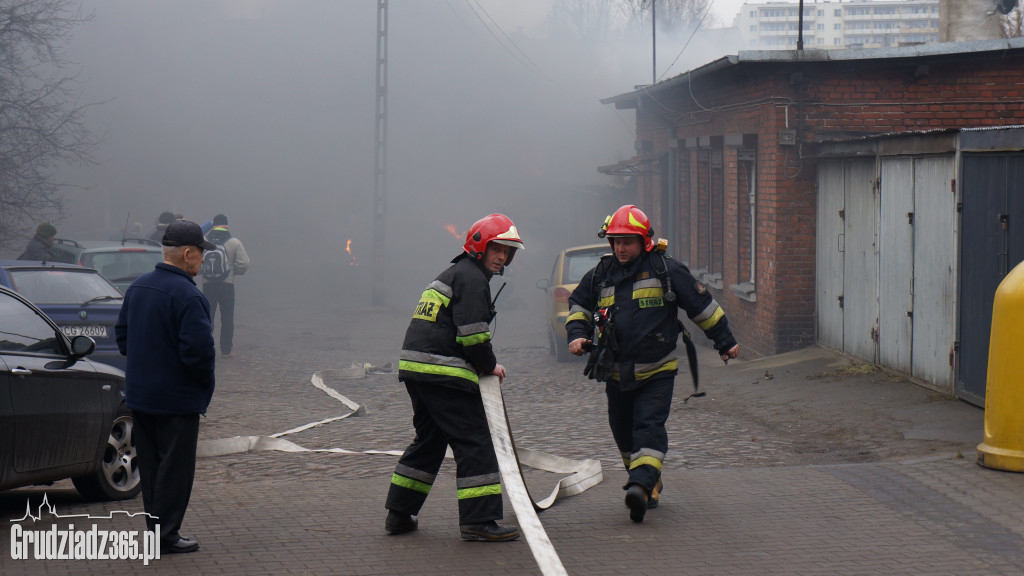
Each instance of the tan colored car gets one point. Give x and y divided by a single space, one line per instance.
570 266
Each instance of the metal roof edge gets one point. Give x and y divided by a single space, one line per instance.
713 66
627 99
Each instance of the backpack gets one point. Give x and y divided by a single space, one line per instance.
216 264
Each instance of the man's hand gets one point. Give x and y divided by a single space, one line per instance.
499 371
577 346
733 353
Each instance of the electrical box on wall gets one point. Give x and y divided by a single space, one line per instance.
787 137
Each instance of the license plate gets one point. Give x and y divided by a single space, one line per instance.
91 331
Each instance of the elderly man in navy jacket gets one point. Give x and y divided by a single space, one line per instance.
165 331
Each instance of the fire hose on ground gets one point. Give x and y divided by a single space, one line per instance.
582 474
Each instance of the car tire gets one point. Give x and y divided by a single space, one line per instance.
117 473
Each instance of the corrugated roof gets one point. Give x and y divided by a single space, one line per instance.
850 54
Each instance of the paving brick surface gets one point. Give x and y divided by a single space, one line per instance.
789 466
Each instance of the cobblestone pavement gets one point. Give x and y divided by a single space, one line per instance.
803 463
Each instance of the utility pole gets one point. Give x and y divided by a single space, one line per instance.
654 47
800 28
380 156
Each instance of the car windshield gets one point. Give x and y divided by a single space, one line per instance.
62 286
578 263
124 264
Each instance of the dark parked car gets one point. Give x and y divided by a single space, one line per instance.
570 266
121 262
61 415
78 299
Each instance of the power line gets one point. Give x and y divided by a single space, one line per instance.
529 64
695 29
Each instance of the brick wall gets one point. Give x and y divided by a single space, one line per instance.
820 101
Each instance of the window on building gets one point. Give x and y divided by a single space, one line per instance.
682 230
837 26
715 215
821 28
746 220
838 13
701 210
821 13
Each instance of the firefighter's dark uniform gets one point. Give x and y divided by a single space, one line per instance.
447 345
647 329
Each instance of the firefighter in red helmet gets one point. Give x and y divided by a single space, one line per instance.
447 347
632 298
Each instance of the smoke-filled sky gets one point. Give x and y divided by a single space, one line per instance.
264 110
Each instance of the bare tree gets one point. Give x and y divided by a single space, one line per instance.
1013 22
42 123
670 14
597 19
591 20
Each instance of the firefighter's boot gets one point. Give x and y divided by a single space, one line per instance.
652 501
636 499
399 523
488 532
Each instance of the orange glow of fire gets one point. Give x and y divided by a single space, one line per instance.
451 230
348 248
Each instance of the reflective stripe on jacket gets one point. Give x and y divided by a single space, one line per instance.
646 324
448 341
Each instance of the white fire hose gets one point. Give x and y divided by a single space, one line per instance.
583 474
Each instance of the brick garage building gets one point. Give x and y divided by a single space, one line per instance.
727 155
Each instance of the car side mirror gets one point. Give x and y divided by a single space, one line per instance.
82 346
543 284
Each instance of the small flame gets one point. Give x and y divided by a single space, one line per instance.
348 248
451 230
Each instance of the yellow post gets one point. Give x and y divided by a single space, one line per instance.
1003 448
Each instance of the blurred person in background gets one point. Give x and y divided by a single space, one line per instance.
221 264
161 224
38 247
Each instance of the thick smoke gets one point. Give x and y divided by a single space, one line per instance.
264 110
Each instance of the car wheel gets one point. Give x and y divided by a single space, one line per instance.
117 472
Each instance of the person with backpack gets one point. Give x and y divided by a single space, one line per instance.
220 266
625 312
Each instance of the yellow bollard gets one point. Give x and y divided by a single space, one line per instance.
1003 448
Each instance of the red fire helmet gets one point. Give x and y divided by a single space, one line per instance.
629 221
492 228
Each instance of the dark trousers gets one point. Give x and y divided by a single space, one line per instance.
222 294
637 418
446 417
166 452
